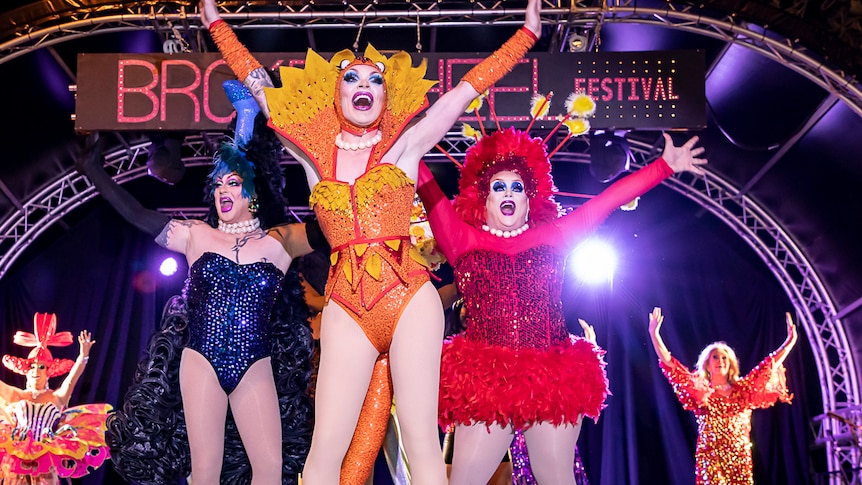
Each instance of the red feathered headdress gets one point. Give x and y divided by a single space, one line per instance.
507 149
45 327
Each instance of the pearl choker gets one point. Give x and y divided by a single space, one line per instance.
35 393
506 234
356 146
239 227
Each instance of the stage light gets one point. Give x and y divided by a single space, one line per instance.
169 266
576 42
165 160
610 155
594 262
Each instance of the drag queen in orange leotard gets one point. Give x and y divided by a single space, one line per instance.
347 120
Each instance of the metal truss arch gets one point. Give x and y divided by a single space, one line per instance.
165 17
783 257
836 368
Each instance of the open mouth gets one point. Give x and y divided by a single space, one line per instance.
507 208
225 204
363 100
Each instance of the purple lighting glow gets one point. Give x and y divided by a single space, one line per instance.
168 266
594 262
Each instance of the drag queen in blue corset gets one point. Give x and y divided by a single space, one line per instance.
238 339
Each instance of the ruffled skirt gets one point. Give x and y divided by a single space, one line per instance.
494 384
77 448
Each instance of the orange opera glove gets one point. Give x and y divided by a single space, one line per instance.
235 55
494 67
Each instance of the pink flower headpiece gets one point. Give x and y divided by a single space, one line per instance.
45 327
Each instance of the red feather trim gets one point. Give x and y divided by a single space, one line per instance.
507 149
485 383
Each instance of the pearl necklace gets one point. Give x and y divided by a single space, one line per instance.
506 234
239 227
356 146
35 393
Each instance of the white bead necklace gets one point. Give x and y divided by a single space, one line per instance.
35 393
239 227
506 234
356 146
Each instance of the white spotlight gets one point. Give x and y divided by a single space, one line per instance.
594 262
168 266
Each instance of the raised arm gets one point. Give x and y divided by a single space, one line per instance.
169 233
246 68
440 117
585 219
64 392
451 233
684 158
789 342
589 331
655 321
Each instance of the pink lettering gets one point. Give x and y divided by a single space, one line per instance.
147 91
633 82
207 90
187 90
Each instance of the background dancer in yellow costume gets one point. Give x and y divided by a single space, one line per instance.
346 121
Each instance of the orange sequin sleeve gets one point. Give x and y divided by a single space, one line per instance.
235 55
488 72
687 385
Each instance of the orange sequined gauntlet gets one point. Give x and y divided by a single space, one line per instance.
235 55
488 72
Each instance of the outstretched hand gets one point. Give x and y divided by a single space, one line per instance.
589 331
791 332
532 19
655 321
85 340
209 12
683 158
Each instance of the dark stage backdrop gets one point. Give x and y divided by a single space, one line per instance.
102 275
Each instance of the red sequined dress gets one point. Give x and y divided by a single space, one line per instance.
516 362
723 452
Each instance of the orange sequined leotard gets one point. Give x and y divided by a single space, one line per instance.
375 270
723 452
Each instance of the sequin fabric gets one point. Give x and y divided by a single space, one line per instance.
375 270
498 64
516 363
521 315
723 452
229 308
303 108
522 472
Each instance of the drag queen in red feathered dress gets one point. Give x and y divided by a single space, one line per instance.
516 366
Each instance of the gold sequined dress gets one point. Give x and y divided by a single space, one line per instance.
723 453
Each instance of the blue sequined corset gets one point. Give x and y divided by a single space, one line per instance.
229 307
